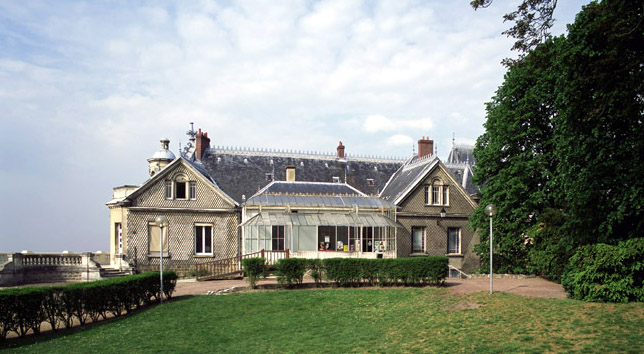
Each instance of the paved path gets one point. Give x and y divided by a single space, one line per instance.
528 286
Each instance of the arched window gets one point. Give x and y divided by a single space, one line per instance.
437 193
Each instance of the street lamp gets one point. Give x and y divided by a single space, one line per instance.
161 222
490 210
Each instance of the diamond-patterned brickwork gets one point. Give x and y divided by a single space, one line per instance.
181 241
181 227
207 198
414 212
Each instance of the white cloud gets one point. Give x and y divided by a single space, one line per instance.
400 140
97 85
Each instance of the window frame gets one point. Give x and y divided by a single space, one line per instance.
169 190
423 234
192 190
450 250
437 193
277 235
203 236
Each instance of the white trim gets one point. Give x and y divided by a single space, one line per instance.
459 252
203 238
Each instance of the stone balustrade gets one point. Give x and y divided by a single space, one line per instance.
31 268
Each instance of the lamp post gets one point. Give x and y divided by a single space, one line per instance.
490 210
161 222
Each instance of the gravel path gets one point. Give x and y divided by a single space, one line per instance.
527 286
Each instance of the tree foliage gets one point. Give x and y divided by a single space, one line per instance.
515 161
532 22
562 155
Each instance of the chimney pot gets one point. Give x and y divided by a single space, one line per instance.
202 143
425 147
340 150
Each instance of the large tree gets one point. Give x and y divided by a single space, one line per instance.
600 130
563 151
514 157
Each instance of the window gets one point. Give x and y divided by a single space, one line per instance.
118 231
153 239
180 190
336 179
453 240
417 239
277 238
437 193
193 190
203 239
269 177
326 238
168 189
370 181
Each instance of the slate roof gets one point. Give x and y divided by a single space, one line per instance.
462 172
461 154
406 176
319 188
315 194
244 171
416 168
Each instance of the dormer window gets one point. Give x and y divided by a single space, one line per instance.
336 179
370 181
269 177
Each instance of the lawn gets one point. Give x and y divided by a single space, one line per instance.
375 320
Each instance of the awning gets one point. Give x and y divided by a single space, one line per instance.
320 219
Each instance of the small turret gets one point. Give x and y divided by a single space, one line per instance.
161 158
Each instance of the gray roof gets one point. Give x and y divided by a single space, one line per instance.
319 201
328 219
461 154
244 172
282 187
460 172
407 176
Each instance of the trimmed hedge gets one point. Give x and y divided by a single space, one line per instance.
414 271
290 271
606 273
254 268
24 309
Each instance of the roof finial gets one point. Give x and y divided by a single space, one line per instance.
453 139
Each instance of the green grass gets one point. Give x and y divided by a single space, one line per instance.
374 320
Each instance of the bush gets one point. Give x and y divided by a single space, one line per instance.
409 271
316 270
254 268
290 271
25 309
606 273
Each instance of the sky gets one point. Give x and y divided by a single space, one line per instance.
87 90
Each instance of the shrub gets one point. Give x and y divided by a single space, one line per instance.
316 270
25 309
606 273
408 271
254 268
290 271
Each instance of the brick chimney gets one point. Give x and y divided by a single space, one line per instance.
425 147
290 173
202 143
340 151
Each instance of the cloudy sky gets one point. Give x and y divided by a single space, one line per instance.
87 89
